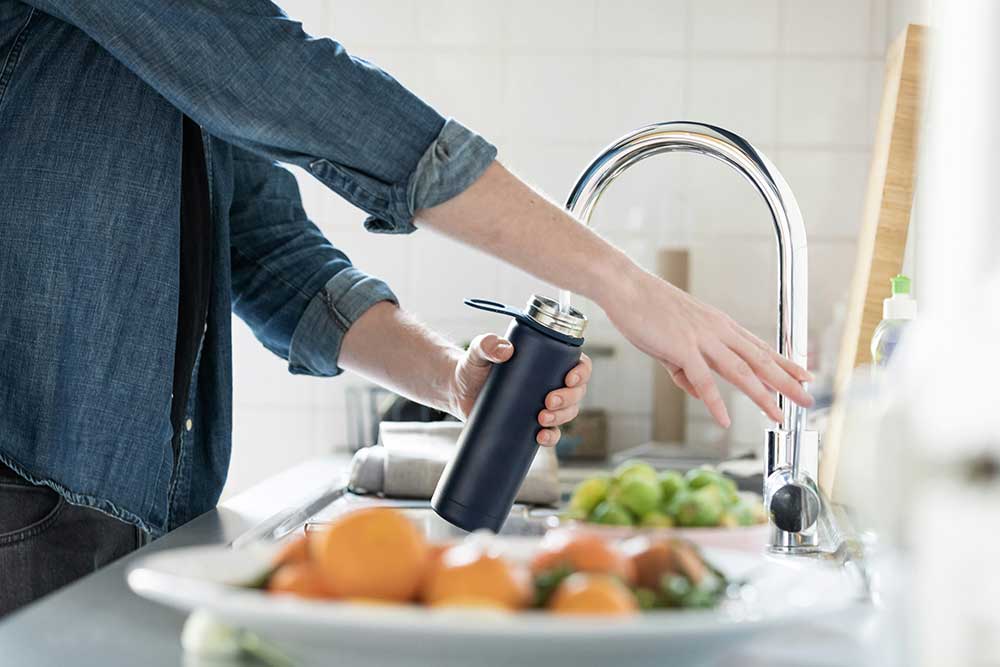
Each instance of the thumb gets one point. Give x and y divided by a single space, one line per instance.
489 349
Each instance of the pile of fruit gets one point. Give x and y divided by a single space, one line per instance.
376 555
636 495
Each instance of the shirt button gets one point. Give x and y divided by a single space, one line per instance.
189 424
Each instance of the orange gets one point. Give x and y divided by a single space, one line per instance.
582 553
296 551
374 552
434 554
597 594
302 579
467 575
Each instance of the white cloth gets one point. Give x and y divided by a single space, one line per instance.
410 457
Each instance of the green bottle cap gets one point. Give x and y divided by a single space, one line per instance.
900 284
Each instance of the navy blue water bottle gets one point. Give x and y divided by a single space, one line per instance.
497 445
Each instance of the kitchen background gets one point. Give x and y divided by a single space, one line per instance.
550 83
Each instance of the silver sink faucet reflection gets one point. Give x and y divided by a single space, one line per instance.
791 453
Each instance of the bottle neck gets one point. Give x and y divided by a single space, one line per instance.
899 307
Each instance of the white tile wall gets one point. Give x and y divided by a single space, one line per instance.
724 26
827 28
658 26
823 102
551 82
739 94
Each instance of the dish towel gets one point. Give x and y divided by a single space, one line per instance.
410 457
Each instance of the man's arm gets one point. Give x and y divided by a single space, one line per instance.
298 294
249 75
503 216
305 302
390 348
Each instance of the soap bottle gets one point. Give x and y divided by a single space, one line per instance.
897 312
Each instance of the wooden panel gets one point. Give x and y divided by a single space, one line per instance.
669 419
886 220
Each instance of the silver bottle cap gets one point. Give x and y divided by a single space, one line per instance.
546 312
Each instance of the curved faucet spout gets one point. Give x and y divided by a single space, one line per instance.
791 456
715 142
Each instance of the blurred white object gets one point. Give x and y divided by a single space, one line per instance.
206 636
947 368
412 456
207 640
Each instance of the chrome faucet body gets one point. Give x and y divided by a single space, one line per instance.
791 453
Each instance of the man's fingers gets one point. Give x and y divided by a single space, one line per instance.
680 379
557 417
792 368
701 379
773 374
566 396
580 373
547 437
737 371
489 349
765 351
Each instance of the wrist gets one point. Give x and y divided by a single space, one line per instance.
445 385
617 281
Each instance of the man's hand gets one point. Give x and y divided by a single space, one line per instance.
691 339
472 368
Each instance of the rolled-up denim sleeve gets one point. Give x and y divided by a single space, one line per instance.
252 77
298 293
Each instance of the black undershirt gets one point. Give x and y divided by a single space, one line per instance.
195 272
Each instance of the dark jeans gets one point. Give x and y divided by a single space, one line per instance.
46 543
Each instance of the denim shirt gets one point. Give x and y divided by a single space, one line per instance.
91 102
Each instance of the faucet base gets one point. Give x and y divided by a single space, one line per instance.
791 497
785 542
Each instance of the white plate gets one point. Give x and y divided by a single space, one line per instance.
742 538
785 591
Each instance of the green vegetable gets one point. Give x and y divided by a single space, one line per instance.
261 580
635 468
548 581
702 507
675 588
611 513
743 512
637 494
671 482
701 598
699 478
647 598
656 519
574 515
589 493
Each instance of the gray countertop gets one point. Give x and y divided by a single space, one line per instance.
98 621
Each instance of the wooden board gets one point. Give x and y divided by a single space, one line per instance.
886 220
669 418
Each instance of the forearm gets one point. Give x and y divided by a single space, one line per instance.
392 349
505 217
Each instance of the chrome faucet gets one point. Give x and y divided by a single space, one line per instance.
791 453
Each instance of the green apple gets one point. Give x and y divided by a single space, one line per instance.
611 513
589 493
